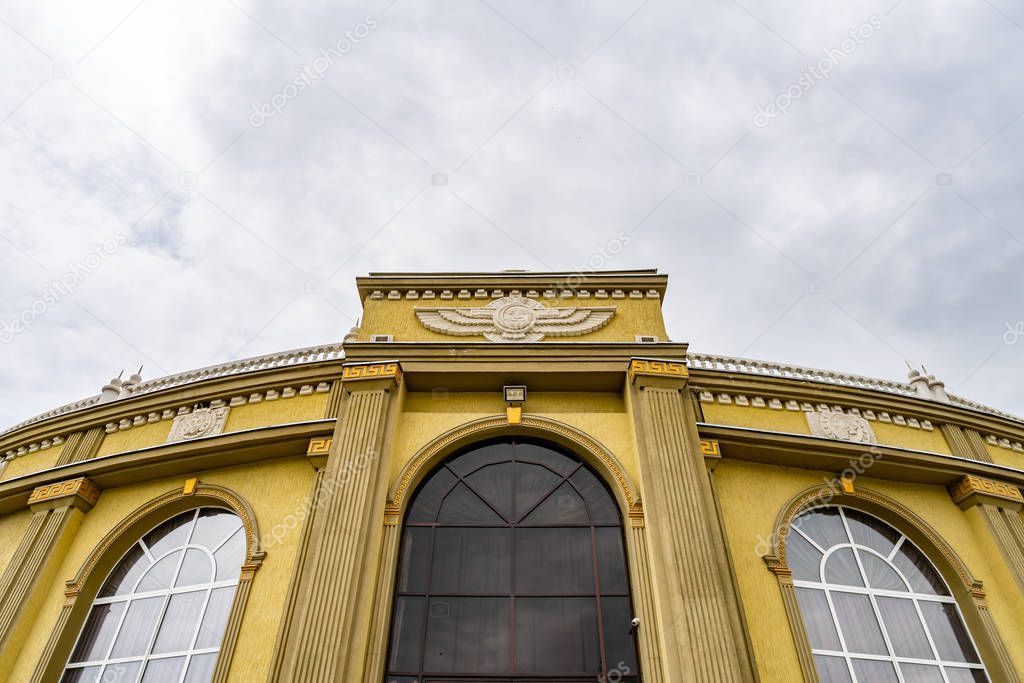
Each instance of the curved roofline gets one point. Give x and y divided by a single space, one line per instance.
329 352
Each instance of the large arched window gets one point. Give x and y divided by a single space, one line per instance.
875 608
160 615
512 568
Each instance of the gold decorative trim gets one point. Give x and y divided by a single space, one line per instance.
80 488
319 446
497 425
350 373
709 447
971 485
656 368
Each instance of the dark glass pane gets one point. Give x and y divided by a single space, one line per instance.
948 632
123 672
127 572
170 534
611 560
533 483
163 670
921 673
957 675
200 669
564 506
557 635
137 631
902 623
821 629
554 561
160 575
824 526
89 674
406 633
600 503
803 558
196 568
413 564
541 455
472 560
841 568
230 557
494 484
874 671
462 506
428 498
467 635
97 632
857 620
481 456
179 623
215 619
832 669
880 574
214 526
619 643
919 570
871 532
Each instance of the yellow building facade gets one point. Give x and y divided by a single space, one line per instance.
513 477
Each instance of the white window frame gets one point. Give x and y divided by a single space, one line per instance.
166 593
873 593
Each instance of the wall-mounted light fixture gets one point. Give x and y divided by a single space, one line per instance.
515 397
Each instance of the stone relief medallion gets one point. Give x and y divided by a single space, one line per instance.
515 319
842 426
198 423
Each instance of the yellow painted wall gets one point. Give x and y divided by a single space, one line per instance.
12 530
795 422
142 436
426 416
275 489
752 495
397 317
31 462
1005 456
279 411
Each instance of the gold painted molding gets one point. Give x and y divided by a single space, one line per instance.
591 451
363 371
82 492
970 490
656 368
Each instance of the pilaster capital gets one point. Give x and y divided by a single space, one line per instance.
371 375
80 493
970 490
318 451
643 372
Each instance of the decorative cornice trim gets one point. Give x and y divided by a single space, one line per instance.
656 367
81 492
971 490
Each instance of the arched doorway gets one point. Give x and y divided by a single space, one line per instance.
512 568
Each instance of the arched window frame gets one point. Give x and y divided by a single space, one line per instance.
967 591
81 591
594 454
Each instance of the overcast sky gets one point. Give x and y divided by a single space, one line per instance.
833 184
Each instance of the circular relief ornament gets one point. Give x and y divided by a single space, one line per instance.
515 317
846 427
197 423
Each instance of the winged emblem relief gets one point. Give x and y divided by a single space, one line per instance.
515 319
